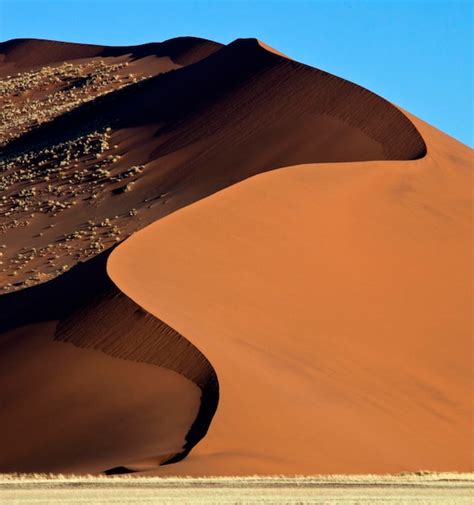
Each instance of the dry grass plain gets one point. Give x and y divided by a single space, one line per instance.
419 488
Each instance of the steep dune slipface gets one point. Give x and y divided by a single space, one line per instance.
67 409
333 302
90 382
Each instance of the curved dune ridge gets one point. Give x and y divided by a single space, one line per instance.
279 301
91 412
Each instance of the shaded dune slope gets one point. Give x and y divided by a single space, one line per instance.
76 410
25 54
68 310
231 113
243 90
43 79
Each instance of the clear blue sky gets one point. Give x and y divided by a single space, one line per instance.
417 54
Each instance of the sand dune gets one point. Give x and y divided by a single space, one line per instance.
25 54
181 136
89 411
333 303
321 305
63 407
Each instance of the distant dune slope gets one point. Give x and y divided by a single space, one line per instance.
105 141
25 54
334 303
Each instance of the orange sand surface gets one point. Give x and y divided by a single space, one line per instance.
334 304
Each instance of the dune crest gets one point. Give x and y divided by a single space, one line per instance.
25 54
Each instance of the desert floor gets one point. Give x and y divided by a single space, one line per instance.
397 489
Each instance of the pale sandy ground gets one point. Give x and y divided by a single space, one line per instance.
410 489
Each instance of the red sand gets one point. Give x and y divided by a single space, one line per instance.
331 295
334 304
26 54
63 407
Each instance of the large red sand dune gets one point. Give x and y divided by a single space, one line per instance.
312 319
334 304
